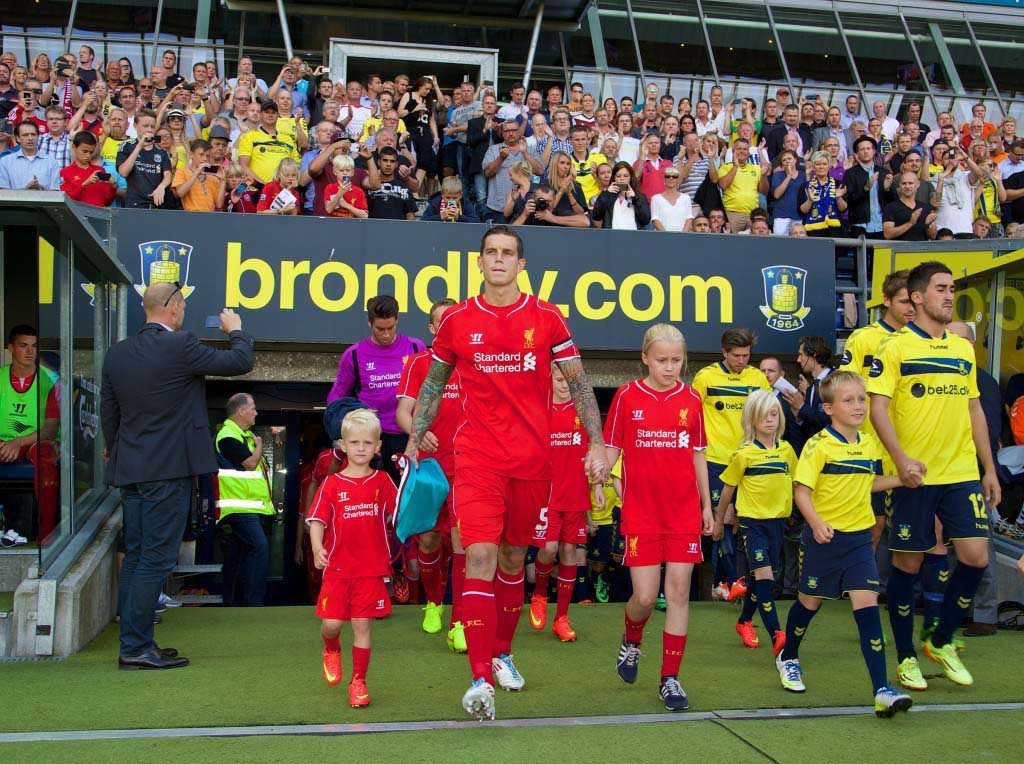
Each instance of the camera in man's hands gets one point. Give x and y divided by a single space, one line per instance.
189 86
539 205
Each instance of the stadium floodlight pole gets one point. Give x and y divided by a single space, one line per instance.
778 45
917 60
534 37
984 65
71 25
156 33
636 47
283 18
849 59
707 40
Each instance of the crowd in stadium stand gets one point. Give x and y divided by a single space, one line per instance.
406 149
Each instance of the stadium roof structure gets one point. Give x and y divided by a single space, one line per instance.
557 16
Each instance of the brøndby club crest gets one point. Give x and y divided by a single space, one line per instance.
784 290
164 262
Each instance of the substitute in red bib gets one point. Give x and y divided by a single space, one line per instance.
657 424
439 441
502 343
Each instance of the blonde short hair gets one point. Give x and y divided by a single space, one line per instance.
664 333
451 185
756 409
234 170
827 387
360 420
342 162
286 164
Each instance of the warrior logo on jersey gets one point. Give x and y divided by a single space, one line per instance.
785 287
528 343
476 338
638 415
343 496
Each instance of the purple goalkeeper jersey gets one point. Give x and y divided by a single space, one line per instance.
376 383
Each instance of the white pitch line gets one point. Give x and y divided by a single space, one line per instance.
573 721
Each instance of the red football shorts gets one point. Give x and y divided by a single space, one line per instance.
342 599
444 516
564 526
655 548
490 508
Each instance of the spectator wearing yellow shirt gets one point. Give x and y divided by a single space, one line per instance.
199 189
585 161
740 181
261 150
373 125
290 121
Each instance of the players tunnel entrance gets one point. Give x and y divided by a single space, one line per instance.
290 423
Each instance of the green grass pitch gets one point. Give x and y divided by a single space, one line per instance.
261 666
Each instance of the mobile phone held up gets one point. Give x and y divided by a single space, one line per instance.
212 322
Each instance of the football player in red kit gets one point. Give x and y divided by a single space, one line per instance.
564 522
502 342
657 424
348 533
440 443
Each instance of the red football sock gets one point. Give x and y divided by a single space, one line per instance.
480 620
635 630
332 644
430 575
508 596
458 584
360 662
672 648
566 583
543 577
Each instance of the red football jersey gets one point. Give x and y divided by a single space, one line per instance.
449 414
657 433
503 356
354 512
570 487
322 466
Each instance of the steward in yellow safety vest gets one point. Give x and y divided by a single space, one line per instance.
241 490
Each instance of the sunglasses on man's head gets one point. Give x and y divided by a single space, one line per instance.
177 288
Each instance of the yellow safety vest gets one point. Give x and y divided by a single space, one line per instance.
242 490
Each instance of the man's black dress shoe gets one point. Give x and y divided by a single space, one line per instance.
150 660
166 652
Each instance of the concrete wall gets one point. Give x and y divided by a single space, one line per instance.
86 598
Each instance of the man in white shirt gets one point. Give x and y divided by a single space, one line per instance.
245 67
954 193
516 109
890 126
852 113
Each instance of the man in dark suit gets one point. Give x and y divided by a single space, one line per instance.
481 133
815 360
790 124
157 430
868 189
